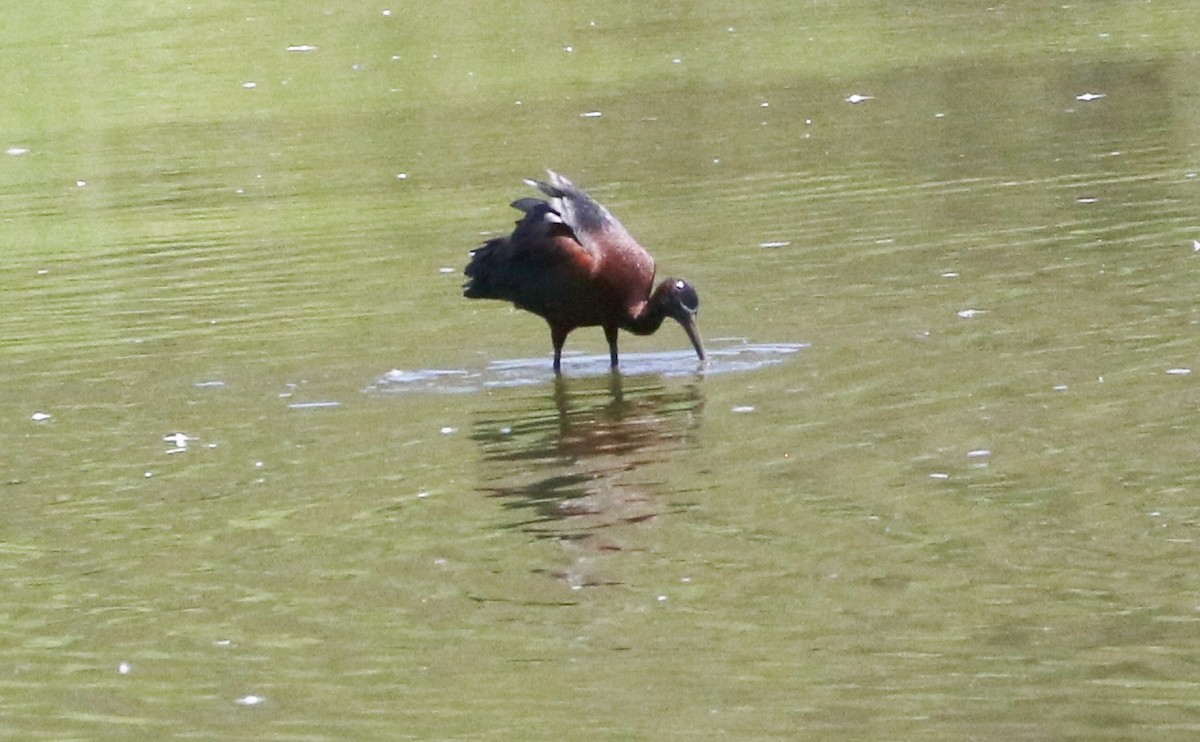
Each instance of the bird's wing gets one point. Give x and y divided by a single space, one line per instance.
588 219
544 236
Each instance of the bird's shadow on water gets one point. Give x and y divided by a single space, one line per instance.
572 456
568 463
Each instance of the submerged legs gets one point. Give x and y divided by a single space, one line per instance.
610 334
558 336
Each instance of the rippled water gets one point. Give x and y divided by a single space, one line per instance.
268 474
724 357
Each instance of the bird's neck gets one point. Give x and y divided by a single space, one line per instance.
652 315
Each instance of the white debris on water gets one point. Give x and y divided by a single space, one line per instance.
1089 97
40 417
775 243
971 313
250 700
859 98
591 115
179 441
302 48
1179 371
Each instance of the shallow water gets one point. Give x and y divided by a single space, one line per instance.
268 474
725 356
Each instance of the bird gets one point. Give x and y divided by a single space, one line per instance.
569 261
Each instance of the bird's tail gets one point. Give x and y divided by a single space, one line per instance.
485 266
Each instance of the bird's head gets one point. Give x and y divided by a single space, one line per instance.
679 301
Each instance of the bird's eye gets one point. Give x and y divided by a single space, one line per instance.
680 285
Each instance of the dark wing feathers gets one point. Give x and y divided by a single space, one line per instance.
502 267
577 209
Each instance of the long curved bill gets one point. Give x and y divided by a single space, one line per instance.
689 326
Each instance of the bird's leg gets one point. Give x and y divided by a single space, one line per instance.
558 336
610 334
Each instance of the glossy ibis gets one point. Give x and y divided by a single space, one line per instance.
570 262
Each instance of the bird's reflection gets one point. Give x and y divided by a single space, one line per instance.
571 465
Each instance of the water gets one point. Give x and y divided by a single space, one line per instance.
268 474
728 355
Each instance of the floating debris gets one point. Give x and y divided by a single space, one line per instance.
179 439
1195 245
1087 200
743 408
213 384
979 453
971 313
1089 97
16 151
302 48
250 700
249 85
591 115
1178 371
859 98
313 405
775 243
40 417
939 475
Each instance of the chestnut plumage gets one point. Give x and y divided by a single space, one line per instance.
570 262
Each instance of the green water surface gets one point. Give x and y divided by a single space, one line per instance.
967 509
